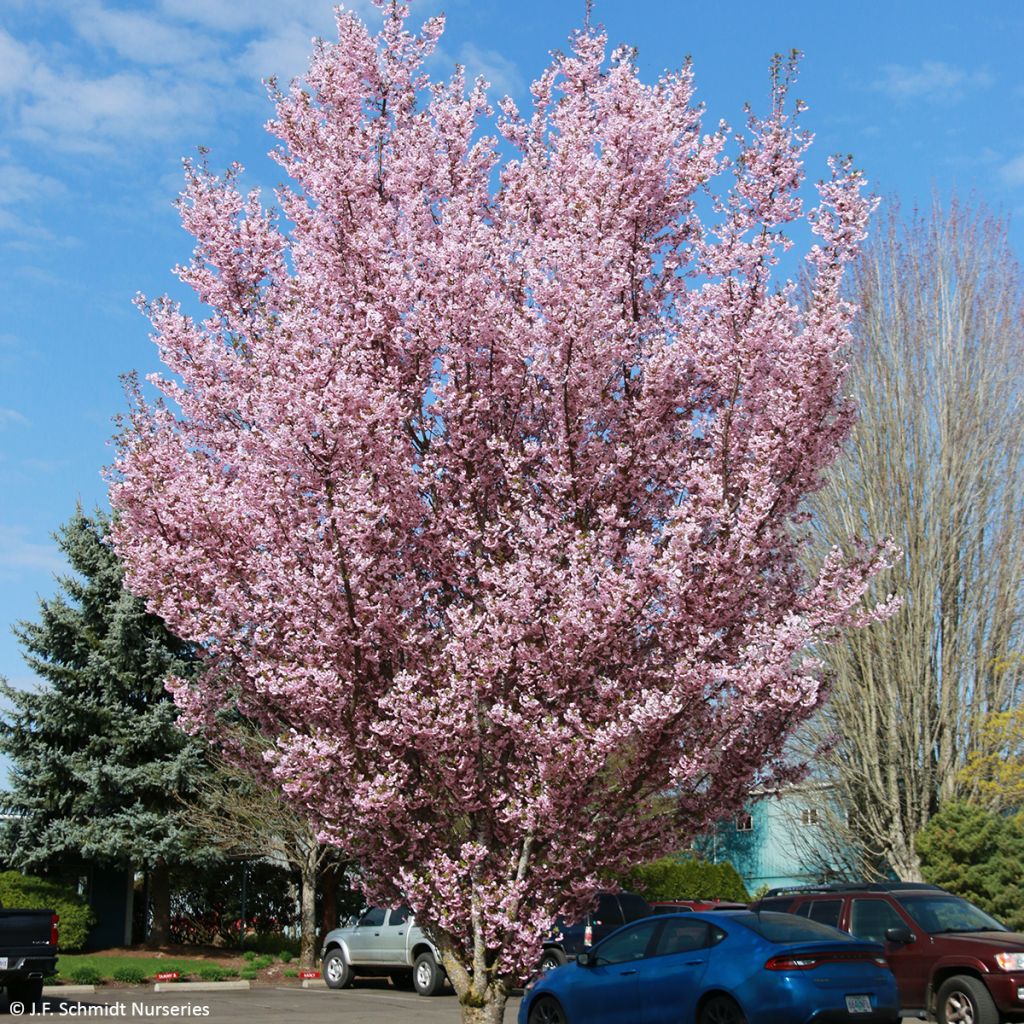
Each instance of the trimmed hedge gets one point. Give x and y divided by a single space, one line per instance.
673 879
27 892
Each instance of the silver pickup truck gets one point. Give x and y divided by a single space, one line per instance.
383 943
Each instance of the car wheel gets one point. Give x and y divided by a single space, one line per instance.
546 1011
335 971
427 975
29 993
721 1010
965 1000
552 958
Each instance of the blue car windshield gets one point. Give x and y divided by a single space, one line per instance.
789 928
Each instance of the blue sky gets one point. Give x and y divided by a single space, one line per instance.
99 100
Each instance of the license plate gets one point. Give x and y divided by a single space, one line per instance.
3 963
858 1004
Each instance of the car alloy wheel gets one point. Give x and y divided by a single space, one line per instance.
966 1000
721 1010
546 1011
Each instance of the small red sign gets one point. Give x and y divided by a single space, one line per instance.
168 976
309 974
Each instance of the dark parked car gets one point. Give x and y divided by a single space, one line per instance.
682 906
950 958
610 912
718 968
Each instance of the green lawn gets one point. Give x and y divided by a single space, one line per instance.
106 966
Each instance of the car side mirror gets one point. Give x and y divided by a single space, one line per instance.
585 959
900 934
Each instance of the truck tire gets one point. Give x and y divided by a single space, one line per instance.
28 992
427 975
552 958
336 972
965 999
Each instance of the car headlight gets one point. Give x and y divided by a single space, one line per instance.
1010 961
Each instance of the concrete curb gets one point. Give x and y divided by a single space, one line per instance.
314 983
201 986
68 990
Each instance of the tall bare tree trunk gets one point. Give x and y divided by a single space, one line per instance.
937 462
328 897
160 900
307 900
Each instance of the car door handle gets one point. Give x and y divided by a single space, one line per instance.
693 963
624 973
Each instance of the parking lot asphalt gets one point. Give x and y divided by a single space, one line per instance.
362 1004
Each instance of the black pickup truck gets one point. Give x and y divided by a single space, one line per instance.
28 954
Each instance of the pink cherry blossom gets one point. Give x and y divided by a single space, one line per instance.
479 487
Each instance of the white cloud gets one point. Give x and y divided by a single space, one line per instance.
18 552
930 80
21 185
12 416
284 54
235 17
81 114
499 71
141 38
1012 172
16 64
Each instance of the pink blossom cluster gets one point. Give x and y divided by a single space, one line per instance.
479 488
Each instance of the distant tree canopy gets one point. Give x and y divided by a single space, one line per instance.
978 854
936 461
673 879
97 763
995 769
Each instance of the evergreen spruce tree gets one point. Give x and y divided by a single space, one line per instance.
97 761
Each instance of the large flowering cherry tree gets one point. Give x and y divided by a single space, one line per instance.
479 487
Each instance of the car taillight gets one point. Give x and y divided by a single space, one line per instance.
54 918
588 935
807 962
791 963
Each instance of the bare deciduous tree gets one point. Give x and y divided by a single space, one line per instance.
937 462
246 815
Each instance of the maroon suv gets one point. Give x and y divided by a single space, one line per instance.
950 958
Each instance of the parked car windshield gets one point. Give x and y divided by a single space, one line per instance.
937 914
788 928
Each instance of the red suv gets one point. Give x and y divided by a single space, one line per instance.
682 906
950 959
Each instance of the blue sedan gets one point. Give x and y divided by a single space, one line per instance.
719 968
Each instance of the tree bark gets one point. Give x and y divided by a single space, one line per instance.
482 997
307 897
329 898
160 901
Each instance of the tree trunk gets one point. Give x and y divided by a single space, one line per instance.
329 898
482 998
160 897
492 1011
906 863
307 898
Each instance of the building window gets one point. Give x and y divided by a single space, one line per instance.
810 816
744 823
